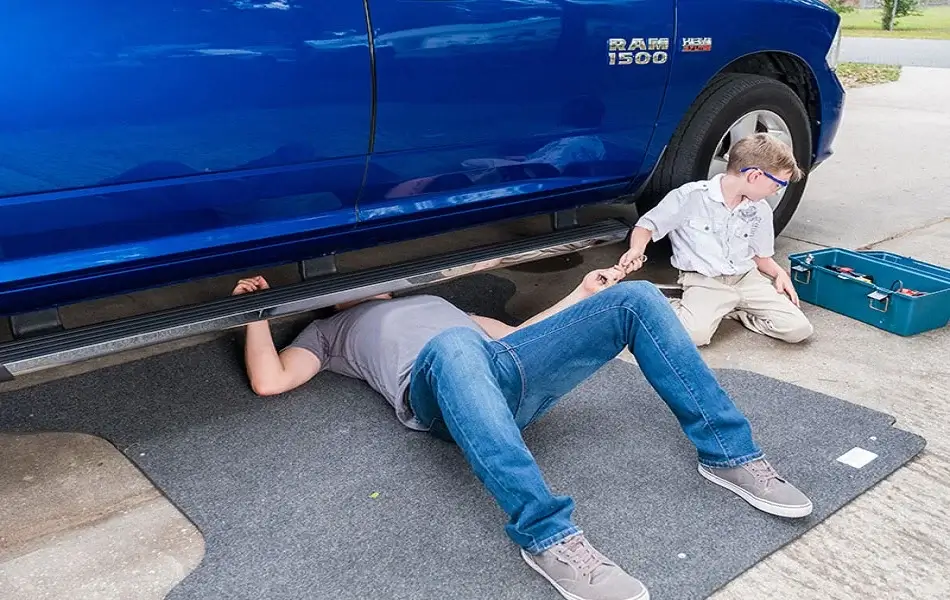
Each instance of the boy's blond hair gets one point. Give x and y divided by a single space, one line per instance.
766 152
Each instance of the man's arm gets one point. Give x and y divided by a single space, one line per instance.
493 327
593 282
576 295
497 330
271 372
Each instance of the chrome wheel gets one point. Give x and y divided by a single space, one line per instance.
759 121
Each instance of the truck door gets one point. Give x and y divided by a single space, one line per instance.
501 100
136 130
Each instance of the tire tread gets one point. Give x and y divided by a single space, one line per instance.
682 153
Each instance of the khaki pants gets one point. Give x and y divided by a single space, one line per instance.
750 298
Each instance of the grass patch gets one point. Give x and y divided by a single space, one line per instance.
854 75
933 24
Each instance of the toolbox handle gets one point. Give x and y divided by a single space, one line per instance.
797 270
878 298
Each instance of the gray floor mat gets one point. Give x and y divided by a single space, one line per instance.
321 493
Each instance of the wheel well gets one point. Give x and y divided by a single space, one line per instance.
790 70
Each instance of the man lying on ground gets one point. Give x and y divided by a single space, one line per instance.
478 382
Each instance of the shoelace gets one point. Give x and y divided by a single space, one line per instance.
582 555
764 472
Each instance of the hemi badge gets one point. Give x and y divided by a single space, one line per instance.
697 44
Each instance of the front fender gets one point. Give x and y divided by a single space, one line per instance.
740 28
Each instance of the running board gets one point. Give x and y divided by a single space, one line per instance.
83 343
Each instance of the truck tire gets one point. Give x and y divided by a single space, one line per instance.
731 106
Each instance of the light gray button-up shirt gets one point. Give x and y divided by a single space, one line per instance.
707 237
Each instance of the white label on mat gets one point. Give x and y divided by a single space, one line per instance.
857 457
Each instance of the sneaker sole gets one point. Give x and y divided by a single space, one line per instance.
645 595
779 510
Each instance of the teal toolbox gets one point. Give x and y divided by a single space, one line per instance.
878 303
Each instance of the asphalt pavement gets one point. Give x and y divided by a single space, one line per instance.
892 51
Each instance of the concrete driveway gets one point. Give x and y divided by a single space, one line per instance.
893 51
885 188
64 497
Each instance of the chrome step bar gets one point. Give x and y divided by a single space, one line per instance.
83 343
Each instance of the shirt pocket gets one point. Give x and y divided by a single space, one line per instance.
740 248
744 231
704 225
704 237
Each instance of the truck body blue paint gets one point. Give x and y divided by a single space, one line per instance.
148 143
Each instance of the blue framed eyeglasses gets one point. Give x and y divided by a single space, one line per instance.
781 182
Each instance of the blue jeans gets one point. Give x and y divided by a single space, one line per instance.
481 393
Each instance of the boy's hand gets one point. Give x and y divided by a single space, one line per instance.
601 279
632 260
252 284
783 285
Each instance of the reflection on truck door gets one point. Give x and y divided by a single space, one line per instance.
498 99
145 129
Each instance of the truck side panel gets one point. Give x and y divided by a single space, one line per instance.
492 101
138 130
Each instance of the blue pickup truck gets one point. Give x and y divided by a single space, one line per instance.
151 142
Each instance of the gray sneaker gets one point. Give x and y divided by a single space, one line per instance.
761 486
579 572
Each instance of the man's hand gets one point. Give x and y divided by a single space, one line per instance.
601 279
783 285
252 284
248 286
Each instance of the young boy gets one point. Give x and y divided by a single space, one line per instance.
723 243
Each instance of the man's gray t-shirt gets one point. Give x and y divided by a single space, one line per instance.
378 341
